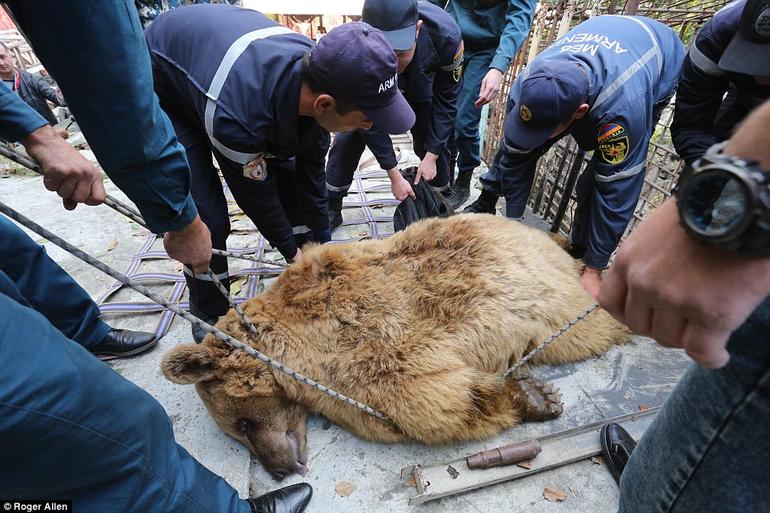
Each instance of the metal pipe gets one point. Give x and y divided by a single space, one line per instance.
504 455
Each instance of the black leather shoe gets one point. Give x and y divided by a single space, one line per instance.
292 499
485 204
335 212
617 446
120 343
198 332
459 196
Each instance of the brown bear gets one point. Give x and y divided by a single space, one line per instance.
419 326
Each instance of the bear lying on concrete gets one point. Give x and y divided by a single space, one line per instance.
419 326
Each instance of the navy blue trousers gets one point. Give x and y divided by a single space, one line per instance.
32 279
348 147
466 140
74 429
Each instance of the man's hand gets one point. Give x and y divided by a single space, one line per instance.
65 170
191 245
400 185
490 86
665 285
427 168
591 280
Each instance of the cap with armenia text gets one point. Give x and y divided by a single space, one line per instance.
396 18
355 62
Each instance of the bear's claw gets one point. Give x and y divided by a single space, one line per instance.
541 401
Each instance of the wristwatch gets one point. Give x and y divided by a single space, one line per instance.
725 202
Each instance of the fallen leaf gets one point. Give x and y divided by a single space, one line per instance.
527 464
344 488
597 460
643 407
553 494
112 245
237 285
363 234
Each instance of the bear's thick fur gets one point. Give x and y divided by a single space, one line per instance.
420 326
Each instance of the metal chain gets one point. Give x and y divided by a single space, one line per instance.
553 337
229 340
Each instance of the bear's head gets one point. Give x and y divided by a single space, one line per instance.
243 397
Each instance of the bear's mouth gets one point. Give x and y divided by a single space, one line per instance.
300 457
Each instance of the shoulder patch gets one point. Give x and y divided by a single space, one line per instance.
613 143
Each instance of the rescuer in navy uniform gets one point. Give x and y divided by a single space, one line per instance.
429 47
605 83
263 99
725 75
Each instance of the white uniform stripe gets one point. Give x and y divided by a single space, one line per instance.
204 276
607 92
296 230
236 49
334 188
626 173
703 63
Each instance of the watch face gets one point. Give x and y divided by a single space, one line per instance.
716 205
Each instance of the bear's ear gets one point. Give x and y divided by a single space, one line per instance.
189 363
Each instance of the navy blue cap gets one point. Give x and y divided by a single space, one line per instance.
749 49
549 95
396 18
355 62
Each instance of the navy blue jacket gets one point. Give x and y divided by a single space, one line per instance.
433 76
500 24
618 125
254 115
704 115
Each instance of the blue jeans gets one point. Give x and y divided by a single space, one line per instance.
708 450
74 429
31 278
466 141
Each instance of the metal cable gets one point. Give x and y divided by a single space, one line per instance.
553 337
299 377
229 340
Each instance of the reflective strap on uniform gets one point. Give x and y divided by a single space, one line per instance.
297 230
607 92
334 188
457 60
204 276
510 149
703 63
626 173
236 49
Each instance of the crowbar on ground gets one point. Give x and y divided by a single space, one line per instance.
558 449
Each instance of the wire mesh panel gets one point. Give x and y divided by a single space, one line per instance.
552 195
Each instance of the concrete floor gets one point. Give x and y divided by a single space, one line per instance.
640 373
